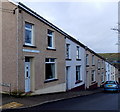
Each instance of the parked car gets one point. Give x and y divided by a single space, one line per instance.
111 86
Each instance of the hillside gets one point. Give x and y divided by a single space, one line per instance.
112 57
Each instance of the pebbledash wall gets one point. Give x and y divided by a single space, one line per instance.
49 61
25 66
9 46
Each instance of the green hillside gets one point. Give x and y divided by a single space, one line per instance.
111 56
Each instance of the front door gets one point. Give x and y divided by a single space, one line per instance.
68 78
27 74
87 80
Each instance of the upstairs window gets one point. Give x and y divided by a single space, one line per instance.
67 51
93 60
87 59
98 64
50 35
28 34
77 52
108 67
102 64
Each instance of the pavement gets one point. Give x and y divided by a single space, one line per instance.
29 101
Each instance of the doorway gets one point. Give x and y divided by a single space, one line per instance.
27 74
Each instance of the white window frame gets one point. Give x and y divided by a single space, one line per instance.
79 72
77 52
51 36
93 60
67 51
102 63
87 59
93 75
102 77
51 62
99 65
32 35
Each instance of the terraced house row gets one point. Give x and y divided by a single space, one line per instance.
39 57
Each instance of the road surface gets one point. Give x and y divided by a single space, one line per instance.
98 101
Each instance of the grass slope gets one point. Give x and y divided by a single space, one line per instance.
111 56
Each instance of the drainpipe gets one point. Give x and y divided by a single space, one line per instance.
17 51
16 11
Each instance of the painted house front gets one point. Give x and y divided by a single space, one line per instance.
108 71
95 69
116 74
91 70
112 73
75 65
33 52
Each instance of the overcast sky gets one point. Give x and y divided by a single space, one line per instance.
88 22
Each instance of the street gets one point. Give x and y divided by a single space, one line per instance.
99 101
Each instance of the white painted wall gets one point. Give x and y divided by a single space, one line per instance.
108 71
112 72
73 63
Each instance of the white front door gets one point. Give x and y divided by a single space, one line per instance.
27 75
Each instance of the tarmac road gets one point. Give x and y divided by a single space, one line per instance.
98 101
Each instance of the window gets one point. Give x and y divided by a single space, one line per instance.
102 64
108 77
50 68
68 51
93 76
98 64
78 73
28 34
77 53
50 35
93 60
102 77
87 59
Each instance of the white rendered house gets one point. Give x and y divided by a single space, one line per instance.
108 71
75 64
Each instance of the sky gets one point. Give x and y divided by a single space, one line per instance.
90 22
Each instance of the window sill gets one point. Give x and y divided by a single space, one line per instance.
87 65
68 59
32 46
50 80
78 81
93 82
53 49
78 59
